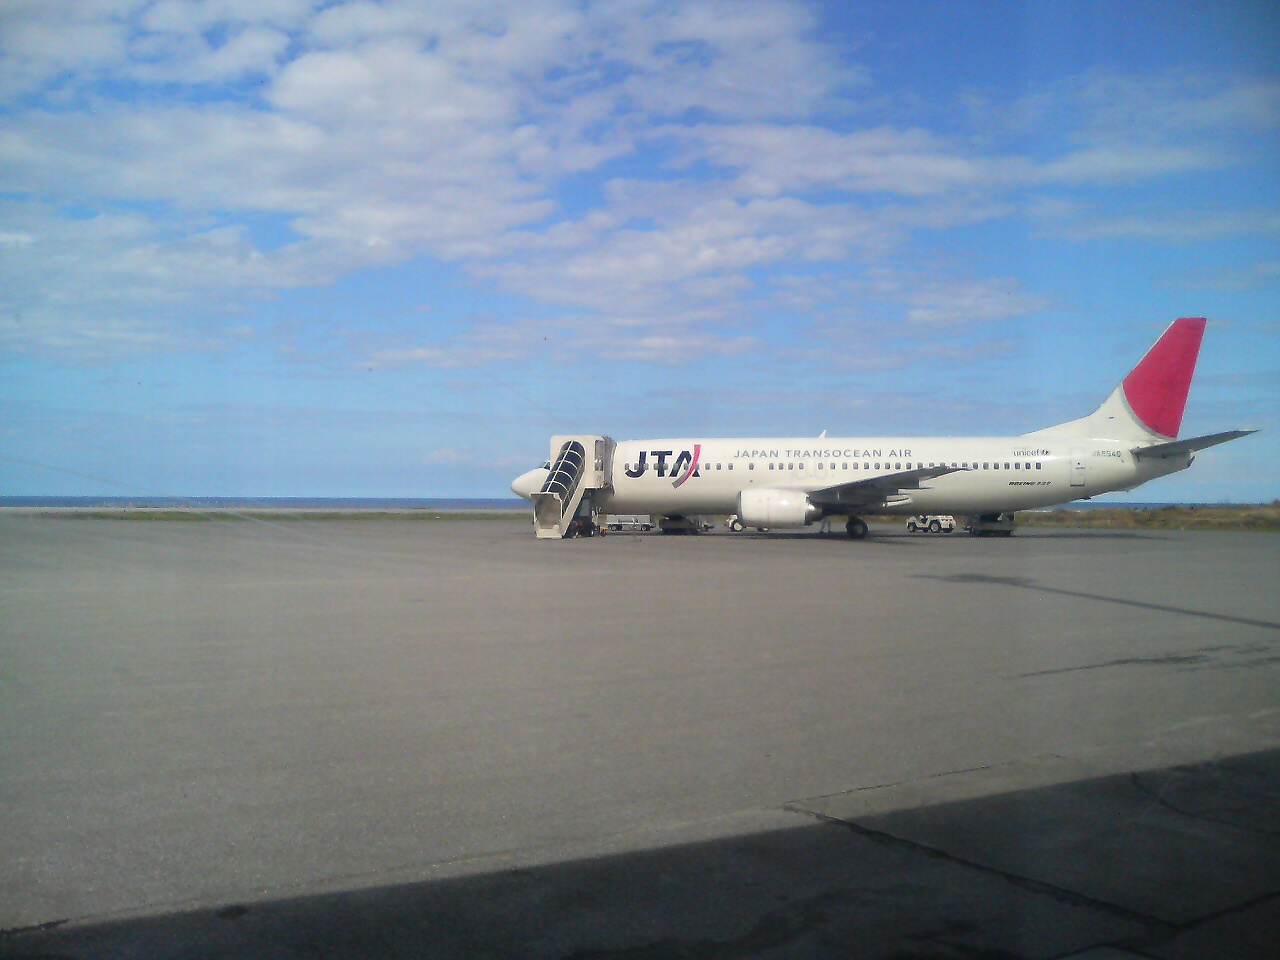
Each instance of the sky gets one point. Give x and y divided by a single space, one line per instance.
293 248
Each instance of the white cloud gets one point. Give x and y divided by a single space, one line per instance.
1111 164
1177 103
690 252
945 301
192 59
371 133
447 455
1182 226
1253 276
564 340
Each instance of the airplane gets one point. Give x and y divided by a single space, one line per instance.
792 482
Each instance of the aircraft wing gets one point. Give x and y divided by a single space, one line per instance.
876 491
1190 445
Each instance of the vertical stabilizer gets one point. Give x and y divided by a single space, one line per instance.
1148 404
1157 387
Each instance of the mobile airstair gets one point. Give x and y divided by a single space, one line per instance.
580 467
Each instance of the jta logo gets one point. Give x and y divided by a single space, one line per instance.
681 469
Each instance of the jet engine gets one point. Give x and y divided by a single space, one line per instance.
776 508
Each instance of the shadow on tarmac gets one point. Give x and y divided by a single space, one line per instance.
1174 863
1026 583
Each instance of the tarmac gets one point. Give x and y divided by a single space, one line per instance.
390 738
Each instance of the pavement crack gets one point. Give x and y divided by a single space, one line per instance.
772 930
1172 659
34 928
1228 911
1061 894
1157 797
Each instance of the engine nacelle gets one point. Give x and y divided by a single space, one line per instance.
776 508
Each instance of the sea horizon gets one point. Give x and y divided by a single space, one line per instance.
278 503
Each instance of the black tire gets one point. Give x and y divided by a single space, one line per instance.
911 527
935 526
856 529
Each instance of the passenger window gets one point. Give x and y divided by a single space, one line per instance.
1037 464
751 466
731 466
1017 466
791 466
984 465
820 466
1006 466
897 466
770 464
846 465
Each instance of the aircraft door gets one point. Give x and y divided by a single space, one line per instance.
1078 467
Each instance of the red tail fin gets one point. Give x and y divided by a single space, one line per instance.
1157 387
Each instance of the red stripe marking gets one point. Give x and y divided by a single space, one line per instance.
693 465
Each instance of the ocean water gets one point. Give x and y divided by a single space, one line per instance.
274 503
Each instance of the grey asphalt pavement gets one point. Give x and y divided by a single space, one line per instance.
345 738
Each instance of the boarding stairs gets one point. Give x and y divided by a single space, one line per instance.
581 468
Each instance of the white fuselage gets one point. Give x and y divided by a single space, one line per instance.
994 474
790 481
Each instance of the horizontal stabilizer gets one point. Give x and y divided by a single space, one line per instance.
1191 445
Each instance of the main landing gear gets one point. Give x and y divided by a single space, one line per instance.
855 528
993 525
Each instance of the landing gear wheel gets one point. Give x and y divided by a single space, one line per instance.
855 528
935 526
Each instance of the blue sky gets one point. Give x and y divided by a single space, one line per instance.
290 248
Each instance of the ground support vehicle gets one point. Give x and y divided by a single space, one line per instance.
938 523
629 522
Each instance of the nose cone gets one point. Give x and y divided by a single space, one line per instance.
527 484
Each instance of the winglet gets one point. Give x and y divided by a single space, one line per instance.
1157 387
